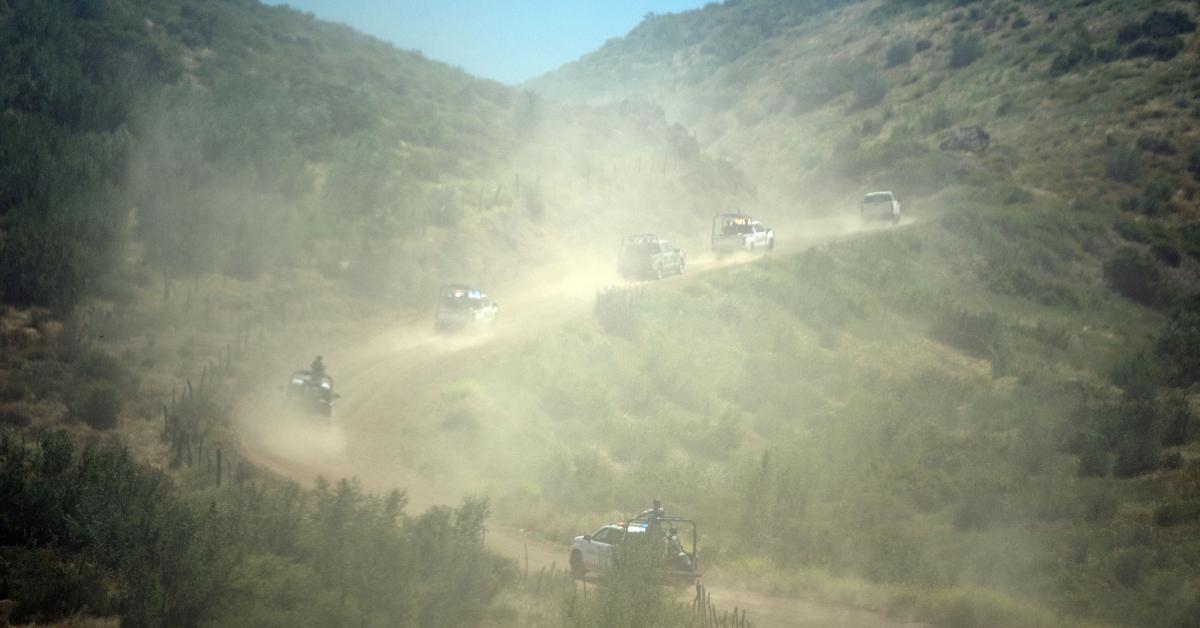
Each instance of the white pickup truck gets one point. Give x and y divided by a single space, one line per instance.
739 232
460 306
595 552
880 206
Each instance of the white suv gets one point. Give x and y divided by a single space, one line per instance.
880 206
594 552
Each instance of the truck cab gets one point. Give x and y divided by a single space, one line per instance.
460 306
732 233
880 206
647 255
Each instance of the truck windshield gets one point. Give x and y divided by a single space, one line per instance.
878 198
640 249
734 229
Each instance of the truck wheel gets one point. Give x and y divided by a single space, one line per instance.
577 569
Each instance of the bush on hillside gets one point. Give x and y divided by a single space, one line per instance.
1131 566
1129 33
973 333
1136 455
965 50
1135 276
1156 144
14 418
1154 201
869 90
1093 459
1178 348
1161 50
1166 253
922 45
1179 424
936 119
900 53
617 311
1176 513
1124 165
1162 23
1077 56
97 405
1194 164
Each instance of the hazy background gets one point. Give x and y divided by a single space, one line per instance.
509 42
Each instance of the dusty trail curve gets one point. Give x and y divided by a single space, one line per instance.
388 371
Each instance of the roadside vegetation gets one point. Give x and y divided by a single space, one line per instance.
984 418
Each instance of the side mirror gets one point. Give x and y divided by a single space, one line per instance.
587 537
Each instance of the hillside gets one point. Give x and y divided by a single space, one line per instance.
180 183
988 416
982 416
860 94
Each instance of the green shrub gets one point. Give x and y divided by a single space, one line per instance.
618 312
869 90
1136 276
1138 376
974 333
1075 57
49 585
1154 201
937 119
1176 513
1166 253
12 389
1179 424
900 53
1100 506
1161 50
1162 23
1178 348
922 45
1129 33
14 418
97 404
1131 566
1124 165
1137 454
1194 164
965 50
1157 145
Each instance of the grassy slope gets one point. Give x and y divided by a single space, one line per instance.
289 156
899 408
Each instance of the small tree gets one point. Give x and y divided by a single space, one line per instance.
1134 275
900 53
965 50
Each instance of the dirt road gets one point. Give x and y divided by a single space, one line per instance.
387 371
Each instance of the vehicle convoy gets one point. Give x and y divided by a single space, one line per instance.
740 232
312 392
646 255
653 529
880 206
460 306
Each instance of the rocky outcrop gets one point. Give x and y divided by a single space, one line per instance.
970 139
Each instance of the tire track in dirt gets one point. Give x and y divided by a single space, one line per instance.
387 372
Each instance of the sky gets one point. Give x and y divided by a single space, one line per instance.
506 40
